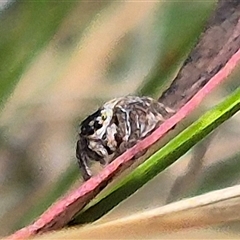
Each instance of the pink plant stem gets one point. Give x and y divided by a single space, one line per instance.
61 212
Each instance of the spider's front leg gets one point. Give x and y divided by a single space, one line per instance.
82 162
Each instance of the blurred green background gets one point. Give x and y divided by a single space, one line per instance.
60 61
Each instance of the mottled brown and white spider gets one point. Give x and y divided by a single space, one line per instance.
115 127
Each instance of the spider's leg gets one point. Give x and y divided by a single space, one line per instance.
82 162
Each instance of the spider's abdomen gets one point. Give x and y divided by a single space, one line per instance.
118 125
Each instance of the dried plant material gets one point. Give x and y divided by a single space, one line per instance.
217 207
216 45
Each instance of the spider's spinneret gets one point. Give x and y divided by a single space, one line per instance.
115 127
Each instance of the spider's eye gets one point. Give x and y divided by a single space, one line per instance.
104 116
97 125
87 130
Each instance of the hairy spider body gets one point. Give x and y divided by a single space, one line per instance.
116 126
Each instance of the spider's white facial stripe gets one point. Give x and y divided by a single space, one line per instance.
111 142
105 118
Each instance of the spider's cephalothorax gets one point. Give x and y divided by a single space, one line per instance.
116 126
